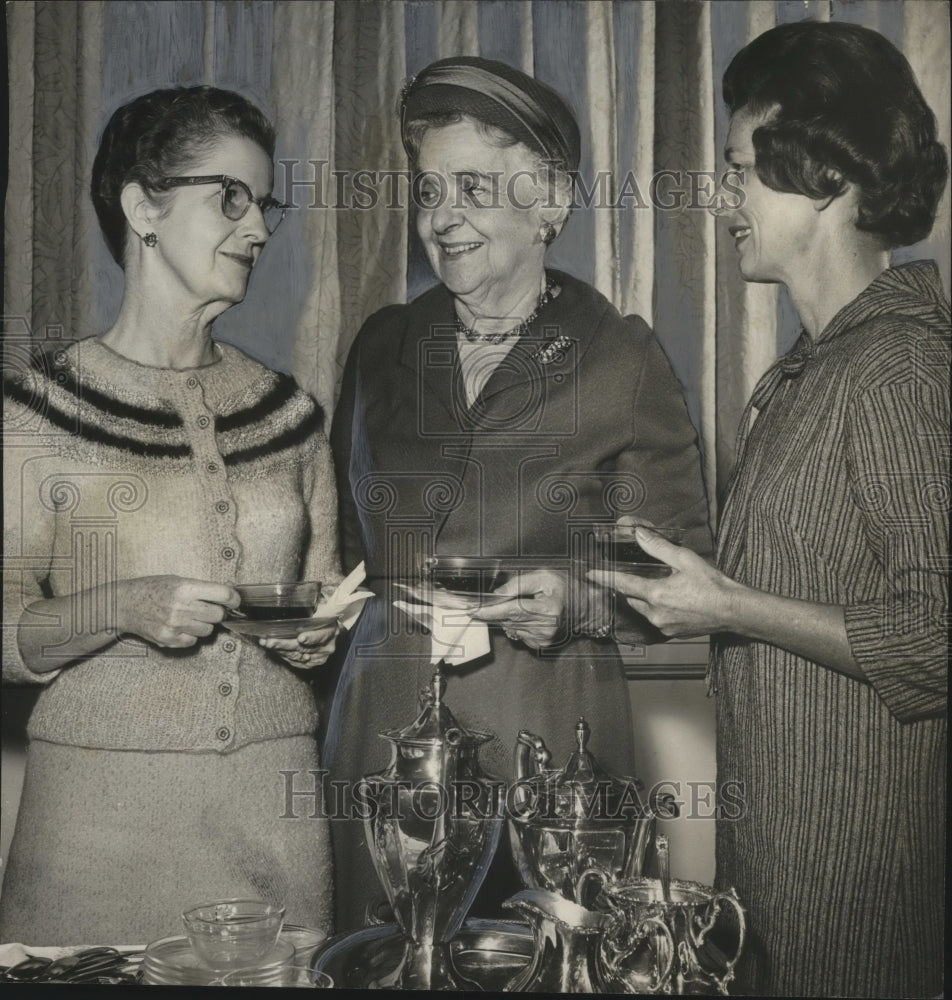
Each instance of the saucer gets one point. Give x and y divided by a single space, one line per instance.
171 962
453 600
284 628
654 570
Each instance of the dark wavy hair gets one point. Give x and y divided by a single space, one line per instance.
846 108
157 135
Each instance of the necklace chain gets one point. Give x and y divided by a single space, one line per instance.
548 293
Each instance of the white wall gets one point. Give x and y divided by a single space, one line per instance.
674 742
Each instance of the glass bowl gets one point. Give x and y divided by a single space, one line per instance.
465 574
306 940
276 601
608 546
233 933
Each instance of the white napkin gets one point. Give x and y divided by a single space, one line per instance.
14 952
454 637
11 954
347 601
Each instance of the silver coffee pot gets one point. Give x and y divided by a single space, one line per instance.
565 823
433 826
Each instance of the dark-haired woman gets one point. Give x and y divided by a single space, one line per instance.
830 599
147 471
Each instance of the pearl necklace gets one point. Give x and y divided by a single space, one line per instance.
548 294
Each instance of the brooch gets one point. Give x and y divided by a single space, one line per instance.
555 350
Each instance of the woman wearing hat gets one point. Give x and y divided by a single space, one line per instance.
481 419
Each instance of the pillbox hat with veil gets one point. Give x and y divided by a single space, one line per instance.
497 94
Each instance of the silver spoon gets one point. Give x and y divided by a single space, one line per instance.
664 867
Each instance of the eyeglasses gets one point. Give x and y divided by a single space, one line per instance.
236 198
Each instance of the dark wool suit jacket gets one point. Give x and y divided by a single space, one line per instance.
595 427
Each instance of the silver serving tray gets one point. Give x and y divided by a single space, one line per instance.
488 952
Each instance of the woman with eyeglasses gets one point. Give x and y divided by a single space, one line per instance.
149 470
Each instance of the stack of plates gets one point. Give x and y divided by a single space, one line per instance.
171 962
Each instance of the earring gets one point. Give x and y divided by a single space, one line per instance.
547 233
150 239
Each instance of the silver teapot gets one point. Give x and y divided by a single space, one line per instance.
565 823
432 827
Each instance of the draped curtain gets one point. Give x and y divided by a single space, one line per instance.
644 79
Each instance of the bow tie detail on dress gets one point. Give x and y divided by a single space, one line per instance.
791 365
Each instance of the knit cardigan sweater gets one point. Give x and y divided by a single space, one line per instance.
115 470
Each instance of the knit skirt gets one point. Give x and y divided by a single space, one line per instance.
111 846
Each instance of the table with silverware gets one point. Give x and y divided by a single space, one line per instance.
587 919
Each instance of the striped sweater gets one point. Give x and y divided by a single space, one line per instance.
115 470
841 496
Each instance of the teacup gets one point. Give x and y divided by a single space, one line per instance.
607 546
277 601
233 933
465 574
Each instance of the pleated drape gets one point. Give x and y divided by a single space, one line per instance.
643 78
303 96
55 58
684 230
925 39
18 219
746 321
370 67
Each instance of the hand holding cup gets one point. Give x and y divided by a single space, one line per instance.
690 598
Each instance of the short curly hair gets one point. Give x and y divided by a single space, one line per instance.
157 135
843 106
